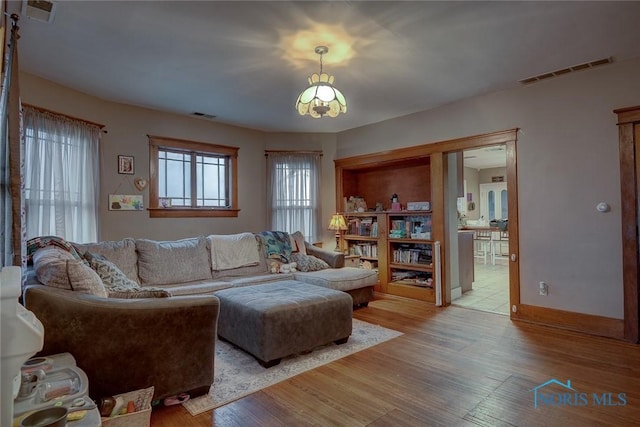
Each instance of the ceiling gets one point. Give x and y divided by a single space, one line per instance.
247 62
486 157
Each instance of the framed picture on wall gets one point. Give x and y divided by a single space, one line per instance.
125 165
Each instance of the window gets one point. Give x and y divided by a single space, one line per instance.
191 179
294 192
61 176
494 201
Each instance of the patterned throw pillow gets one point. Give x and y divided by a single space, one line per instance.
308 262
112 277
277 245
117 284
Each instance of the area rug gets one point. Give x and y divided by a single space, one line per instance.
238 374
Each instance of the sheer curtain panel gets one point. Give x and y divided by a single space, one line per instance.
62 176
293 192
11 228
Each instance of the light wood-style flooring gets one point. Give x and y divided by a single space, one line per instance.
452 367
490 290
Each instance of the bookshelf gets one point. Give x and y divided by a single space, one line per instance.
362 238
415 175
410 265
398 245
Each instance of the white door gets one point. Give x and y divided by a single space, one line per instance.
493 201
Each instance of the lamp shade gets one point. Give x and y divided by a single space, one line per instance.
321 98
337 222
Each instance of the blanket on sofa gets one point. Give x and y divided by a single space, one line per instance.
233 251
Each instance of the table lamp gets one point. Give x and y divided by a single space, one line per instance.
338 224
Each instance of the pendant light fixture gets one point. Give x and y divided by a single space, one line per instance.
321 98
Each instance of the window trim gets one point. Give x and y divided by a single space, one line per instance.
159 142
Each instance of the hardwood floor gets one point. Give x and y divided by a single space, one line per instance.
452 367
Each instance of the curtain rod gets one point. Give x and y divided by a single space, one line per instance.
267 152
44 110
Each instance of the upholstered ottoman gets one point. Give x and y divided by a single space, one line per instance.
274 320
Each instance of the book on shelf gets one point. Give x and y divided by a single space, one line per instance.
414 278
413 226
369 250
363 227
405 254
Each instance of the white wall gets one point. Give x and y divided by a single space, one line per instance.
485 175
568 161
128 127
473 187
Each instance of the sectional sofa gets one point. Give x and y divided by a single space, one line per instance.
162 332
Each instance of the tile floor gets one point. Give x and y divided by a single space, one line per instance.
490 291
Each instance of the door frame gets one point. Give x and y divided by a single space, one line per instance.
629 140
508 138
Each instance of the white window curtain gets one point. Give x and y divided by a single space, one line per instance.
62 176
293 192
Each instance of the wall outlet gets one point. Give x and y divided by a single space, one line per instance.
544 289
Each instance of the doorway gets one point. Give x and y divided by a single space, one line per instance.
485 199
475 246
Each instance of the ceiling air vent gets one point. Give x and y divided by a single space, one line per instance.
571 69
40 10
203 115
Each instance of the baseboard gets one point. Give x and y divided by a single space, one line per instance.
456 293
580 322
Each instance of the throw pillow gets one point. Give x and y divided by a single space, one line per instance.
83 279
121 252
277 245
33 245
308 262
50 253
112 277
57 268
117 284
297 239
